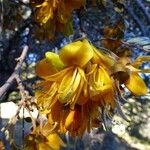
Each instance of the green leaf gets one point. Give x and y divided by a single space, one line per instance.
139 40
68 30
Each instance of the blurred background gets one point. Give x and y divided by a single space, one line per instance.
17 29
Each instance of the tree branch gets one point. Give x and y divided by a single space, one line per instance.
17 69
135 18
145 12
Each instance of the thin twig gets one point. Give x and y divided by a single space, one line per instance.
21 88
14 119
17 69
24 96
144 10
135 18
80 38
33 120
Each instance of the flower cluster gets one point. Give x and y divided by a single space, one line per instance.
55 15
82 83
43 138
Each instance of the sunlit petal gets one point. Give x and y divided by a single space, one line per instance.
59 75
54 60
133 69
76 53
102 58
43 146
77 94
66 86
67 81
136 84
69 119
44 13
105 78
54 141
140 60
44 69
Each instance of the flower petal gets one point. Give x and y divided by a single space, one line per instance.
67 81
102 58
133 69
105 78
44 68
44 12
69 119
43 146
73 120
140 60
136 84
76 53
66 86
59 75
54 141
54 60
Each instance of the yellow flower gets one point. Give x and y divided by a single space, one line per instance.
135 83
55 15
76 85
101 87
76 120
128 74
43 139
45 11
102 59
80 85
64 73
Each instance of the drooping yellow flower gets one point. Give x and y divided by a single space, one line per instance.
77 81
128 74
51 142
77 120
80 84
101 87
43 139
135 83
55 15
66 75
